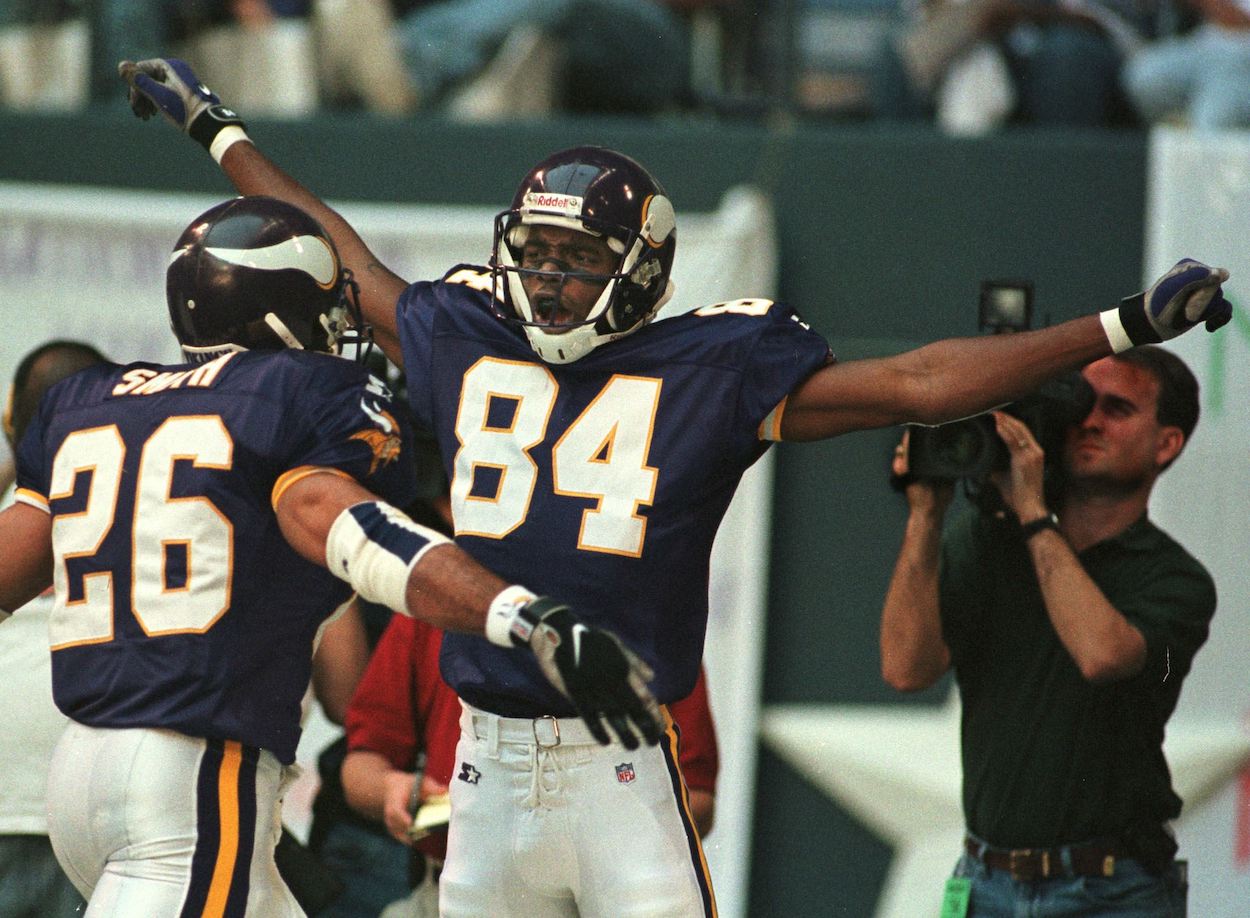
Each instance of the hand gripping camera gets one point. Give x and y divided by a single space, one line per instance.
970 449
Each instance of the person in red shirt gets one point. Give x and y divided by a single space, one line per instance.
402 711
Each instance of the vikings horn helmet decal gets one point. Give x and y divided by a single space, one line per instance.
256 273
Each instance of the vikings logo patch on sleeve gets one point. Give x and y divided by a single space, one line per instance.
383 438
384 446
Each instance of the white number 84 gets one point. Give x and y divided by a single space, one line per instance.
505 407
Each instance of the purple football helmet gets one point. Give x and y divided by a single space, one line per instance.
256 273
607 195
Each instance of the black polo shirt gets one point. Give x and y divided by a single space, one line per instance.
1049 758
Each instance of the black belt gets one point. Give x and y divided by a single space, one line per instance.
1028 864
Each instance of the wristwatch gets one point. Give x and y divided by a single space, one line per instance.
1033 527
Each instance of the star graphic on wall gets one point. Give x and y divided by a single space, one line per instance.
896 769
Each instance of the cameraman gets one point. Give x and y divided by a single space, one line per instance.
1069 637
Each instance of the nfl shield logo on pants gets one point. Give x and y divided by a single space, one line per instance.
625 772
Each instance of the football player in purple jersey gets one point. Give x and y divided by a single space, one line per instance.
592 455
199 524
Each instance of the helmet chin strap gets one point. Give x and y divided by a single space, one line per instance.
278 327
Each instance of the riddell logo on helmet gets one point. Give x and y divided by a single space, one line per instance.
558 203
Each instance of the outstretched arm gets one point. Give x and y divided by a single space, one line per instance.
170 88
959 377
387 558
939 382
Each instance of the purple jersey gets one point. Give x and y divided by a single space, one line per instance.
600 482
179 603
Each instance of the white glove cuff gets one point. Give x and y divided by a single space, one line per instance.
225 139
1114 329
503 620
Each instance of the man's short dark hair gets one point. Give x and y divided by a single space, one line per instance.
65 358
1178 387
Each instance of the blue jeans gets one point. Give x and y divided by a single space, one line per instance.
1132 893
374 868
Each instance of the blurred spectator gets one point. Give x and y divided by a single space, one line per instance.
977 65
301 53
835 47
484 60
358 59
477 60
720 44
76 44
120 30
32 884
274 37
44 55
1202 76
373 869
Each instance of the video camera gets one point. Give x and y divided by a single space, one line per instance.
970 449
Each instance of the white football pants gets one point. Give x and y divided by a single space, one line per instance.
546 823
155 823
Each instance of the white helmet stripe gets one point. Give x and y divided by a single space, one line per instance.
309 254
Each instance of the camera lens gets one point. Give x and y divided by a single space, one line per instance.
962 449
959 446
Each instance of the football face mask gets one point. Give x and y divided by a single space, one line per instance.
583 256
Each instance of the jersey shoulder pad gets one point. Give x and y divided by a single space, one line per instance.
748 318
748 306
476 277
760 309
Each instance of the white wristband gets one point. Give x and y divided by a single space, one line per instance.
226 138
502 618
1114 329
374 547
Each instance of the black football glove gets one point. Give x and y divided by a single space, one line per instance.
604 679
1187 294
169 87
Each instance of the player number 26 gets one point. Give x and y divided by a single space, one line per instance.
162 525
